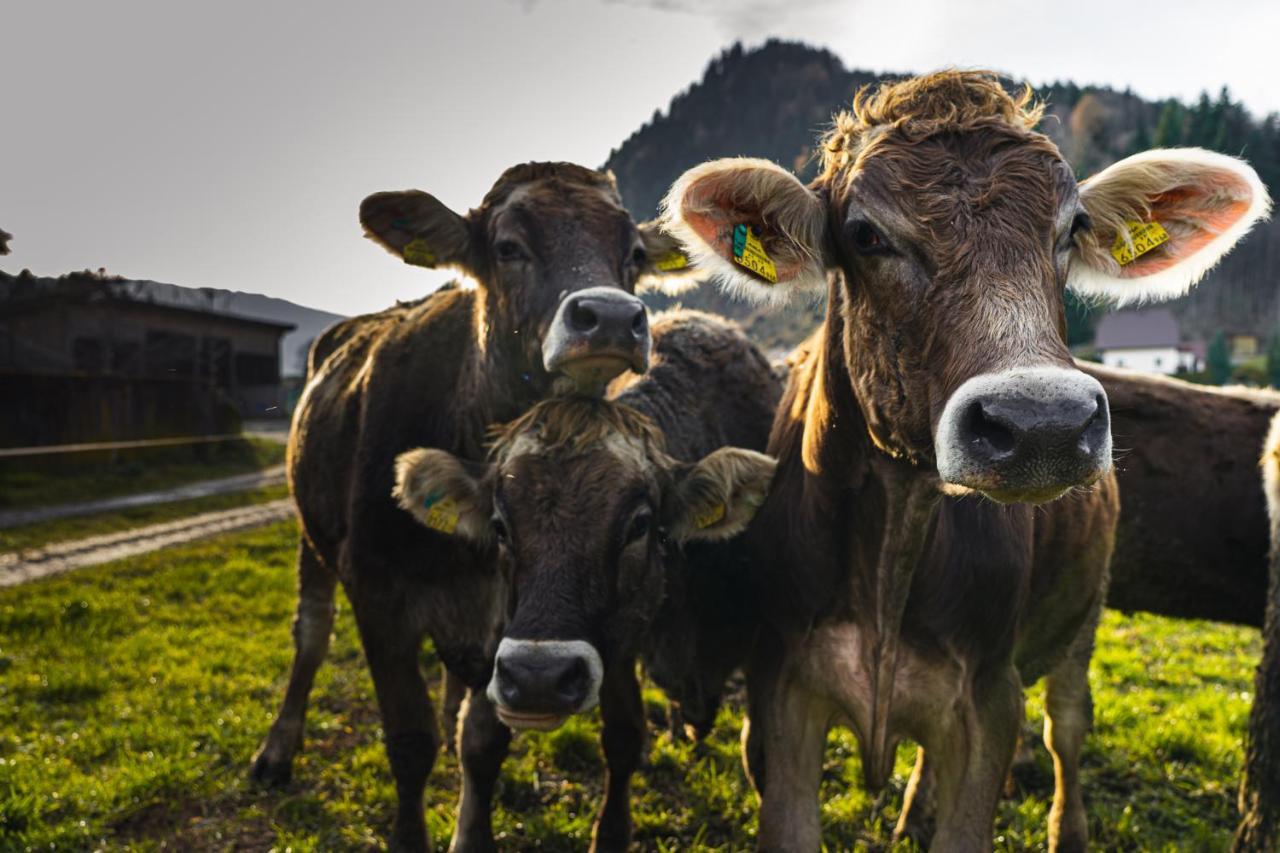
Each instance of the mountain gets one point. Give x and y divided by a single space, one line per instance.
774 101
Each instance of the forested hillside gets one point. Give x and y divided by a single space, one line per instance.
774 101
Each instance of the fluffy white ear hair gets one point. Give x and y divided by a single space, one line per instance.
1205 201
709 201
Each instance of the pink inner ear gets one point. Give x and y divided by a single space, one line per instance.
1192 205
708 208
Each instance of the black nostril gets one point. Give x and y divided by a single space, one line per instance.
573 682
581 317
507 686
640 322
1096 427
982 427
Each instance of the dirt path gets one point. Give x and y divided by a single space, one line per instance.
60 557
202 489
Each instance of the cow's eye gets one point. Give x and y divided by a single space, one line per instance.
639 527
867 240
508 250
1082 222
639 256
500 530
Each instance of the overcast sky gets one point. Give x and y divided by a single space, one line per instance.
228 144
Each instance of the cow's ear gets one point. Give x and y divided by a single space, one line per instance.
668 268
445 494
417 227
753 225
1160 220
717 498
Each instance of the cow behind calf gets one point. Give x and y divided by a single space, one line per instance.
913 588
611 518
548 239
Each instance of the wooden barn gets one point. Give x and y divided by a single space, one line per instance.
87 357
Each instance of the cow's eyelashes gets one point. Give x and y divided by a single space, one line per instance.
640 526
507 251
866 239
1081 223
500 530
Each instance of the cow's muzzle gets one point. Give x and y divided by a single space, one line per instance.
538 684
597 334
1025 435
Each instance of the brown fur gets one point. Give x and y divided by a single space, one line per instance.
434 373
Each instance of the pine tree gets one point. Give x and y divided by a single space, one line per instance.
1219 359
1169 127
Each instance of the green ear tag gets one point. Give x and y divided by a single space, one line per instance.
710 517
418 253
1143 237
442 512
672 261
749 252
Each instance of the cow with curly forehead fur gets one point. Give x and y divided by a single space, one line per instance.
939 529
612 521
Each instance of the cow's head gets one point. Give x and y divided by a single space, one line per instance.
955 230
583 503
544 233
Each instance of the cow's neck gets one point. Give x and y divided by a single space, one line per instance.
507 382
838 443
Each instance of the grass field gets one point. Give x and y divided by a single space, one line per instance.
133 695
74 477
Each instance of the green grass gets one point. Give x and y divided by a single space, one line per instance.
62 529
133 695
75 477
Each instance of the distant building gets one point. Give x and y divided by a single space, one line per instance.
1146 340
91 335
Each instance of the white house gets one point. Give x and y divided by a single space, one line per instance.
1144 340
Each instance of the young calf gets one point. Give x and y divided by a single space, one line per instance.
611 519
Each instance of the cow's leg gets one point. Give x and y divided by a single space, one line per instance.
1068 716
918 806
391 645
453 690
312 625
753 726
973 754
622 714
482 747
794 734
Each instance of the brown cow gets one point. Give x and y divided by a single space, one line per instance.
1194 535
1259 828
549 239
610 517
901 600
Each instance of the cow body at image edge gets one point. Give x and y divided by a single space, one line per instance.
901 600
436 373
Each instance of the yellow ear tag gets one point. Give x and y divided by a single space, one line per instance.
418 253
749 252
710 517
1143 237
442 513
672 261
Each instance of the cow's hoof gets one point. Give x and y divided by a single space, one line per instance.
270 774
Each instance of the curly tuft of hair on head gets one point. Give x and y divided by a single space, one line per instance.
913 109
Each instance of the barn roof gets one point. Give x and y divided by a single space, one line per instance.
25 292
1153 327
